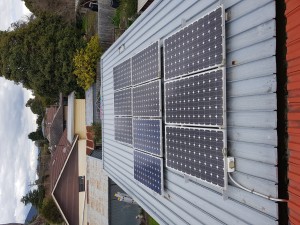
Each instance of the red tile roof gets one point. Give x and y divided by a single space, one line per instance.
64 178
67 190
59 158
293 72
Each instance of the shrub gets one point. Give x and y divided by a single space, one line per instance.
96 127
85 61
50 211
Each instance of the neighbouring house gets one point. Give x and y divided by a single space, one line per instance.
68 165
54 123
262 124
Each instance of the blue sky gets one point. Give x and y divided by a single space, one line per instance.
18 155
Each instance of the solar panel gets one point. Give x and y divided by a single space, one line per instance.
122 102
196 100
123 129
197 152
122 75
196 47
147 135
146 64
146 101
148 170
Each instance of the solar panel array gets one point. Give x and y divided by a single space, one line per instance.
148 170
123 129
195 100
147 123
197 152
145 65
194 105
122 102
122 75
196 47
146 99
147 135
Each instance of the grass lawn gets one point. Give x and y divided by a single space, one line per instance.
125 14
88 24
151 221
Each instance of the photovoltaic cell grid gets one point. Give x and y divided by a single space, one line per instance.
196 100
148 170
122 102
147 135
196 47
145 65
197 152
122 75
123 129
146 100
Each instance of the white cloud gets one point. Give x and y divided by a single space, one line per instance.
18 155
12 11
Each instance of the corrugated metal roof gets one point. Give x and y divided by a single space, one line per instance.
293 59
251 100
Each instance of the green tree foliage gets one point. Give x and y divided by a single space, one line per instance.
36 135
36 106
40 56
35 197
50 211
85 61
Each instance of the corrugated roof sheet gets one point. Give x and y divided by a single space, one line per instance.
251 114
49 116
293 59
57 127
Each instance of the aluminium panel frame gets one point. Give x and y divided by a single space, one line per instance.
160 99
161 177
199 180
159 65
224 125
223 63
161 137
131 98
122 142
130 86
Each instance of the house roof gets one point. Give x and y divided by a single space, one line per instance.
59 158
64 179
49 116
251 116
53 123
293 58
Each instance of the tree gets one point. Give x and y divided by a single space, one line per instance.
36 135
35 105
34 197
40 56
50 211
